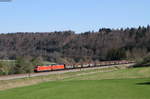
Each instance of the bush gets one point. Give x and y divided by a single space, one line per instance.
116 54
37 61
5 68
144 62
23 65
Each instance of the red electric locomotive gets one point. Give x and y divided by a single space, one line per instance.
49 68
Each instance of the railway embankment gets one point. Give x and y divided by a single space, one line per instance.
14 81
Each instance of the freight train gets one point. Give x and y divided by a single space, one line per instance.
54 67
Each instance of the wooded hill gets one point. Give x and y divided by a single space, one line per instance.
69 47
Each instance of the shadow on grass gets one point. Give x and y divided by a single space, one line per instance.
144 83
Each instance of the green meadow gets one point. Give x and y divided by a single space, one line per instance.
131 83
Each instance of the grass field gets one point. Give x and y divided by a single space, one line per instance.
119 84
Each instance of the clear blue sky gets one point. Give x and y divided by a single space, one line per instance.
77 15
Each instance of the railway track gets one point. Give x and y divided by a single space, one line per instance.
18 76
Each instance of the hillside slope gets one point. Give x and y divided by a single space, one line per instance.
119 84
67 46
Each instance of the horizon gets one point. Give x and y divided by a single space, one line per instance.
75 31
78 16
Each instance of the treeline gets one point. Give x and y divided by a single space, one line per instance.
69 47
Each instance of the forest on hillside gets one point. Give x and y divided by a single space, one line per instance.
69 47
